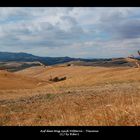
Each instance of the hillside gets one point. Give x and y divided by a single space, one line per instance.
25 57
10 80
90 95
116 62
19 61
16 66
82 75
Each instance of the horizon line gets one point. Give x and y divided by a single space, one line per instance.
63 56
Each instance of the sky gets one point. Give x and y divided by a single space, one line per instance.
95 32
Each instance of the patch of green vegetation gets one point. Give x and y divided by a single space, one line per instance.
49 96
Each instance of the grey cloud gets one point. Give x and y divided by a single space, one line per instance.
120 26
40 34
58 28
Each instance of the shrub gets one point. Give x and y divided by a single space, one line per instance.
63 78
68 64
56 79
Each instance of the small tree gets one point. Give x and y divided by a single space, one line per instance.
138 61
139 52
135 60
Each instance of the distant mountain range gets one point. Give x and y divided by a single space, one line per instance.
25 57
18 61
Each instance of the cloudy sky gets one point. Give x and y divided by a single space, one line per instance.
75 32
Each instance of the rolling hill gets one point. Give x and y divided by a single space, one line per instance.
25 57
96 93
90 95
83 75
115 62
16 66
19 61
10 80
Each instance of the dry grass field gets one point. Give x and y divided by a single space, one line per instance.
96 96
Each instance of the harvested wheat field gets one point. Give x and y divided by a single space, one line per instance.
94 96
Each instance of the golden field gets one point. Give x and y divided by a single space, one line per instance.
96 96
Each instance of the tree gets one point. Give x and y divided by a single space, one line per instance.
134 60
139 52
